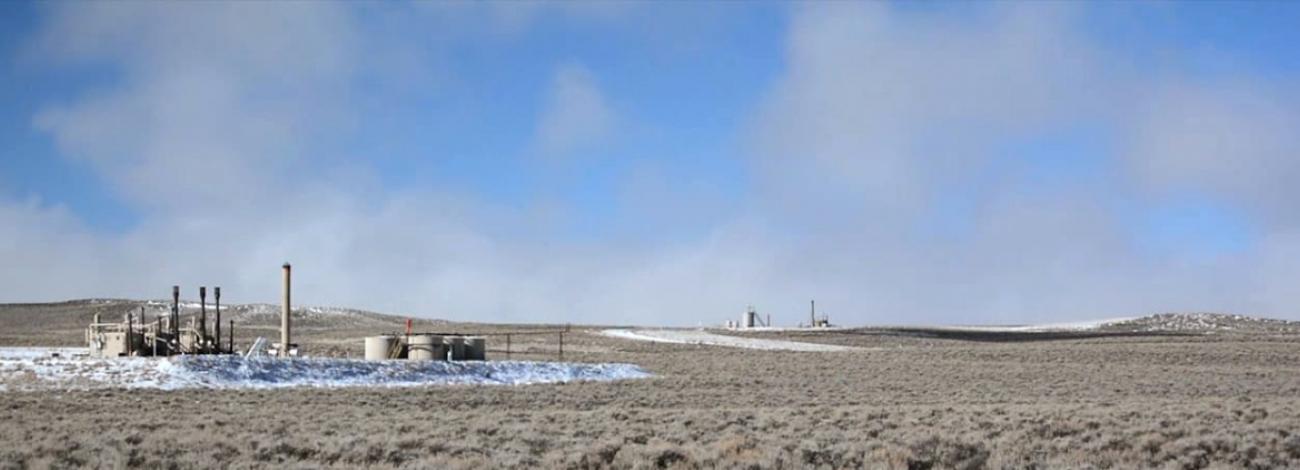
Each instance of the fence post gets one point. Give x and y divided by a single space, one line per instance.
561 345
507 346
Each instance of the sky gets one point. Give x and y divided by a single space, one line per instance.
658 163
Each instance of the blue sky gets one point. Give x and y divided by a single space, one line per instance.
658 163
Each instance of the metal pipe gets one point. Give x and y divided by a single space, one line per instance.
129 324
284 314
232 337
216 292
203 316
176 316
812 313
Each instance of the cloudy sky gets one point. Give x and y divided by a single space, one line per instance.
658 163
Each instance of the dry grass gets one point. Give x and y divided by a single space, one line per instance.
1128 402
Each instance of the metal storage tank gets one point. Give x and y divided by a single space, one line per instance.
455 347
426 348
475 348
378 347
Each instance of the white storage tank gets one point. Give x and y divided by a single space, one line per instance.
426 348
475 348
378 348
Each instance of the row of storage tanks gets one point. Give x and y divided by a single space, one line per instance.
426 348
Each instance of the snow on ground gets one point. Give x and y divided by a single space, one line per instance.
233 372
33 353
1072 326
711 339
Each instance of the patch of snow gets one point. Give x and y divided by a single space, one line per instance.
38 352
233 372
1071 326
705 338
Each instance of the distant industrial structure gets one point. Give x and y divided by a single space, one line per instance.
166 336
814 322
751 319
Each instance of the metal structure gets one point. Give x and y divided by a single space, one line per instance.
166 336
426 347
814 322
750 319
163 336
285 348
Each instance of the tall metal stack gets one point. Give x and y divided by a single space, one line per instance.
216 293
175 322
284 315
203 316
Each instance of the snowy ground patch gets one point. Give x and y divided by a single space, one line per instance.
232 372
713 339
33 353
1044 328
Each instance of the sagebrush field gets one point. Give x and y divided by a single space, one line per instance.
906 400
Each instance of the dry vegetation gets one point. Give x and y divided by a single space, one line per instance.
1220 401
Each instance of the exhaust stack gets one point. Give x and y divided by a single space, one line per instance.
216 293
203 316
175 321
284 315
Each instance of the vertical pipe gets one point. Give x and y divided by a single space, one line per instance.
216 294
176 318
507 346
203 316
812 313
129 324
231 347
284 315
561 345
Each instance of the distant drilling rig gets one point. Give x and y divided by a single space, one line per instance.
165 335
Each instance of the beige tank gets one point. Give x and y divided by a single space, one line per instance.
475 348
426 348
378 347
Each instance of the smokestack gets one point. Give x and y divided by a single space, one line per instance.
203 315
176 314
812 313
216 294
128 333
284 315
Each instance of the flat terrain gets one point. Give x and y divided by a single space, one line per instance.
906 399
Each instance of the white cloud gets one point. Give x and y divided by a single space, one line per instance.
209 96
575 115
1236 140
881 111
220 123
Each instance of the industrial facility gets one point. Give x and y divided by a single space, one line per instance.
751 319
426 347
164 335
167 335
